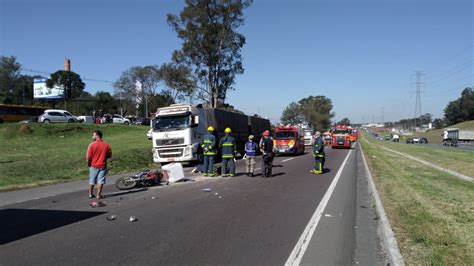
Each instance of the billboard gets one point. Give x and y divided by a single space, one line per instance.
40 91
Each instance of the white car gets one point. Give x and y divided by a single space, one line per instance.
416 139
118 119
149 134
57 116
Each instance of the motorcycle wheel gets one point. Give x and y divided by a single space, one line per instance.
125 183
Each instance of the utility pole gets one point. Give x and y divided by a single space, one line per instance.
382 109
67 68
418 83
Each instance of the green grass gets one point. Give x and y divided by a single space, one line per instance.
56 153
431 212
454 159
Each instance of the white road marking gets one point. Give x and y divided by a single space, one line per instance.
300 248
256 169
286 160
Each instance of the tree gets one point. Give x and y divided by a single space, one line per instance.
178 81
105 102
425 119
149 78
211 46
70 81
317 111
292 114
461 109
438 123
344 122
9 75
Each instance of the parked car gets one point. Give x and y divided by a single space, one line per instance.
57 116
416 139
33 119
87 119
396 138
410 141
142 121
424 140
118 119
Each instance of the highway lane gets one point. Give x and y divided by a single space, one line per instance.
243 221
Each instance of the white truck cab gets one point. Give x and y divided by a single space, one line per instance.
177 132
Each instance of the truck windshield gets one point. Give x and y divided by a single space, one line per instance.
167 123
341 131
285 135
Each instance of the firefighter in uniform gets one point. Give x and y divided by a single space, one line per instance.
208 145
227 144
266 147
319 155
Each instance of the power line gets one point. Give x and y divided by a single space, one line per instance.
83 78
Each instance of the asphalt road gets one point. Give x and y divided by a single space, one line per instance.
242 221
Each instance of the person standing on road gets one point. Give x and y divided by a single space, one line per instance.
227 144
266 147
318 153
250 154
97 154
208 145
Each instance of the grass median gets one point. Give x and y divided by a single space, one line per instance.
45 153
431 212
451 158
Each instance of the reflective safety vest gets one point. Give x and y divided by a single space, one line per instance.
227 144
251 148
318 147
208 144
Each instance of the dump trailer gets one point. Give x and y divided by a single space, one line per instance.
456 135
177 130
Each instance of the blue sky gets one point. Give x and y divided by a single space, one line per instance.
360 54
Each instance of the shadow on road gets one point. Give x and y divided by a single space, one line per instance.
22 223
123 192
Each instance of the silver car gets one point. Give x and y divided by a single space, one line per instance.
57 116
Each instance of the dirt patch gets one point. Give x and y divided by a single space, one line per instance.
25 129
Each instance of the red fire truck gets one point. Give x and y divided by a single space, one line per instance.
341 137
288 140
354 134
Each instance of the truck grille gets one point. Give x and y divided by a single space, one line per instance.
171 153
161 142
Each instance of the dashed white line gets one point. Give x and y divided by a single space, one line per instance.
286 160
303 243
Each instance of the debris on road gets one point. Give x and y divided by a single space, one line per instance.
154 197
97 204
111 217
133 219
216 194
207 190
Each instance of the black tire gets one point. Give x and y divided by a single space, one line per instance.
70 121
125 183
126 123
46 121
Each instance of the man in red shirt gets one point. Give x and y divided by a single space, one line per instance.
97 155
